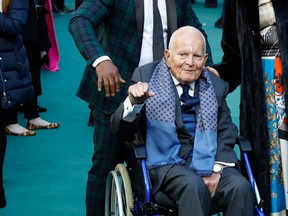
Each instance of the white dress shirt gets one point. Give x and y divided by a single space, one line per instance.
147 41
1 6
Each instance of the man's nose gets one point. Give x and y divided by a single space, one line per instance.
190 60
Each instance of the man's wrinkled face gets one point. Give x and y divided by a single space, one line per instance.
186 57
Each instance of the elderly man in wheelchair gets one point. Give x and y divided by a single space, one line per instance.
177 109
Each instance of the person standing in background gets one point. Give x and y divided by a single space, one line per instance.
15 79
255 46
36 39
114 42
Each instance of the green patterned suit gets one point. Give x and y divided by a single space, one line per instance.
114 28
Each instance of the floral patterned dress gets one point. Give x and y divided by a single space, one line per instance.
275 109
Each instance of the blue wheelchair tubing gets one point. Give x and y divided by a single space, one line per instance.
146 181
257 209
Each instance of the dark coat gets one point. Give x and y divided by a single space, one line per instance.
15 78
121 38
241 64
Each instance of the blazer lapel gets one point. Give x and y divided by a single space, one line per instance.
196 94
139 11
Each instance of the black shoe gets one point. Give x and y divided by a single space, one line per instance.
2 197
218 23
211 3
41 109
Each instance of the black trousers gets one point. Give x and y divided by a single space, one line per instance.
30 112
234 194
59 4
78 3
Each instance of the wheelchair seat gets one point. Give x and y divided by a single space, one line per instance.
128 187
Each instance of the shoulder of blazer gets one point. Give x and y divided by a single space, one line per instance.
147 70
221 87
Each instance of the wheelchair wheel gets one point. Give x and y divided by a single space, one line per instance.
113 197
118 198
126 189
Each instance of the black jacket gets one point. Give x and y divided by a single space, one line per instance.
15 78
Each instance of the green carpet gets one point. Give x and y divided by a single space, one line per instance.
45 175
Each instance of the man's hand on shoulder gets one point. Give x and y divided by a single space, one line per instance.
213 70
108 76
139 92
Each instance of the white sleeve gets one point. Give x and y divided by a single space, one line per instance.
131 111
99 60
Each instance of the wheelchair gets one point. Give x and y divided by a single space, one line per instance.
128 187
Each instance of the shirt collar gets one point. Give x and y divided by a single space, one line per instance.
176 82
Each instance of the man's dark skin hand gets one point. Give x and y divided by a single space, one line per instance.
108 76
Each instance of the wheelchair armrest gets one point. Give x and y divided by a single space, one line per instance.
243 144
138 150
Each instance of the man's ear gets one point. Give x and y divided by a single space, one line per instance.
167 57
205 58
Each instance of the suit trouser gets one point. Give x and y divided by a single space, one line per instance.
107 153
234 195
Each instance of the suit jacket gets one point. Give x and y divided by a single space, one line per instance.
226 130
114 28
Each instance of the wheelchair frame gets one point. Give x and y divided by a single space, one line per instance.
124 199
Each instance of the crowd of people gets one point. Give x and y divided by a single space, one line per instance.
121 84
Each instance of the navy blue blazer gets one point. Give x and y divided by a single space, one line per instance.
135 131
227 131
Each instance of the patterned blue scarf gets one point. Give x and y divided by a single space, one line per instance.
162 143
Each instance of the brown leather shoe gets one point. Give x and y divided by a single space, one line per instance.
27 133
31 126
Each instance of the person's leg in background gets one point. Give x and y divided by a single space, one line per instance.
77 4
211 3
208 3
107 153
31 112
59 6
3 143
10 119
